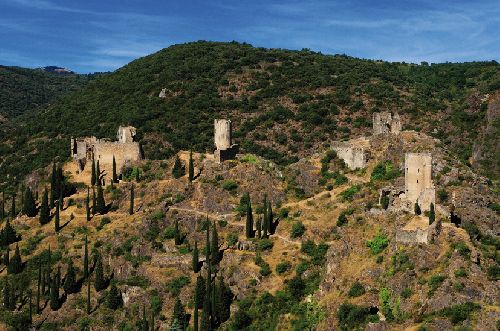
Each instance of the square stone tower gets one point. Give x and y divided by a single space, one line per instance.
418 179
384 122
224 147
126 134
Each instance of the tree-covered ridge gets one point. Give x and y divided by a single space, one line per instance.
23 90
285 104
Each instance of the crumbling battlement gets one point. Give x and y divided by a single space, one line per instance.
384 122
354 152
125 150
224 147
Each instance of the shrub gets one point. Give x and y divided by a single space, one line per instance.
384 171
460 272
378 243
406 293
384 202
434 283
175 285
265 244
357 289
230 185
461 248
169 233
283 267
351 317
348 194
442 195
494 272
298 230
461 312
232 239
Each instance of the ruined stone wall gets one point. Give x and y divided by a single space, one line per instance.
223 134
123 152
418 176
384 122
417 236
353 157
126 134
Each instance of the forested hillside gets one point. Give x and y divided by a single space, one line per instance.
23 90
284 103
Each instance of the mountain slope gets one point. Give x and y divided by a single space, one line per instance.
23 90
284 104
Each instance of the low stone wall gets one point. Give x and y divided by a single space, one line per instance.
419 235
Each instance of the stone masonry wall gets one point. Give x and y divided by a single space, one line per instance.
418 179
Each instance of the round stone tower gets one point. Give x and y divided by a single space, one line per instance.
222 134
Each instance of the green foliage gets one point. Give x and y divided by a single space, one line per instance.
283 267
114 298
265 244
178 169
357 289
384 171
348 194
175 285
342 219
316 252
400 261
460 272
406 293
384 202
232 239
434 283
352 317
461 248
442 195
230 185
460 312
378 243
298 230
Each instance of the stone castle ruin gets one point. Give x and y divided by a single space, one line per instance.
354 152
224 147
125 150
418 180
384 122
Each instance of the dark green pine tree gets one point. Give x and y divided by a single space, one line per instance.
179 314
16 263
432 214
88 296
200 290
54 294
115 177
131 209
87 205
191 167
13 212
99 281
214 249
196 259
70 285
178 170
418 211
56 218
38 287
93 176
86 260
249 222
101 204
29 204
177 236
114 298
44 209
53 185
8 235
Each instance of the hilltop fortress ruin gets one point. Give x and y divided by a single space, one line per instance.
223 138
125 150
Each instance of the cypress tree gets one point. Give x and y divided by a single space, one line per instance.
215 245
224 301
60 201
131 209
70 285
53 185
99 282
418 211
87 205
88 296
44 209
13 209
270 218
93 176
152 320
101 204
177 237
196 260
16 263
38 287
114 299
2 207
137 175
249 222
54 294
179 314
30 308
191 166
6 257
56 218
86 260
432 214
94 202
145 324
258 224
178 170
199 291
6 294
29 204
58 277
207 246
8 235
115 177
205 315
98 173
196 303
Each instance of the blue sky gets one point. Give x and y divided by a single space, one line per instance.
92 35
